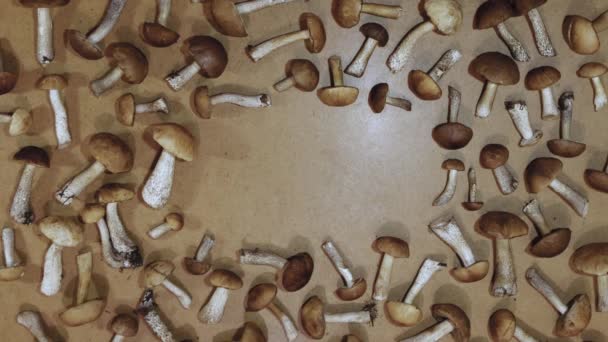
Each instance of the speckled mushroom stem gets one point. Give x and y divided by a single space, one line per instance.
182 296
157 190
383 278
505 179
52 271
76 185
433 334
147 309
522 336
472 175
44 38
454 97
505 281
549 110
107 250
517 49
289 327
163 11
426 271
204 248
250 6
518 110
62 129
380 10
11 259
358 65
336 259
600 99
543 287
449 232
248 101
110 18
486 100
21 209
541 37
397 60
157 106
178 80
122 243
576 200
258 257
566 104
259 51
534 213
349 317
32 321
448 191
107 81
447 61
213 311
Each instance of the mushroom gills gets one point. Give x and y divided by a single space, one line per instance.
157 190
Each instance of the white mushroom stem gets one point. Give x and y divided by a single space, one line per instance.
400 56
566 104
505 281
163 11
285 84
44 41
157 106
118 338
184 298
448 190
547 100
258 52
106 245
11 259
177 80
107 81
600 99
522 336
399 102
204 248
426 271
541 37
577 201
534 213
21 210
349 317
447 61
159 230
108 21
250 6
147 309
433 334
52 271
505 179
380 10
6 117
449 232
543 287
602 293
248 101
289 327
157 190
358 65
383 278
455 97
518 110
213 311
62 129
32 321
518 51
257 257
486 100
118 234
472 185
336 259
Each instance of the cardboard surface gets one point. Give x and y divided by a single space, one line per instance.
288 177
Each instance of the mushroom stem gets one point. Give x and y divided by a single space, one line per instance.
602 293
258 52
184 298
358 65
486 101
44 41
397 60
399 102
447 61
285 84
600 98
380 10
117 338
472 185
204 248
505 281
454 97
257 257
32 321
534 213
432 334
426 271
383 279
505 179
349 317
543 287
107 81
335 68
120 240
85 263
448 190
147 309
518 110
21 210
106 245
248 101
164 10
213 311
250 6
577 201
178 79
548 103
11 259
522 336
157 106
52 271
565 106
157 190
159 230
448 231
518 51
62 129
108 21
336 259
6 117
543 42
291 332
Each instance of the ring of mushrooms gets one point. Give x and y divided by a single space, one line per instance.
495 157
301 74
472 203
263 296
223 281
453 135
314 317
347 13
549 242
375 35
128 63
564 147
32 157
126 108
592 260
54 84
337 94
425 85
19 121
294 272
453 166
197 265
452 321
494 69
157 33
13 268
518 110
390 248
204 103
379 97
353 288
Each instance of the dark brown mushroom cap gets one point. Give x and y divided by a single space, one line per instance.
260 296
297 272
592 69
580 35
305 74
124 325
8 80
227 18
44 3
525 6
175 139
472 206
452 164
566 148
112 152
501 225
542 77
446 15
338 96
51 82
376 32
202 102
314 25
114 193
196 267
550 245
225 279
392 246
459 319
250 332
471 274
496 68
377 97
402 314
598 180
312 317
493 156
540 172
491 13
351 293
452 135
346 12
125 109
33 155
208 53
576 319
130 60
591 259
423 85
158 35
82 46
502 325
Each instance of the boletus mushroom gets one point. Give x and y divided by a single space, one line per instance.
197 265
54 84
294 272
453 166
123 326
472 203
223 281
542 79
157 273
347 13
173 222
529 8
597 179
13 266
495 157
353 288
390 248
453 135
126 108
33 322
19 121
375 35
549 242
379 97
249 332
128 64
582 34
337 95
503 327
518 111
148 311
452 320
263 296
592 260
494 69
204 103
594 71
425 85
314 317
8 79
564 147
157 33
301 74
32 157
45 52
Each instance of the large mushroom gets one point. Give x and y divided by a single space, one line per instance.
472 202
32 157
128 63
148 311
425 85
453 166
581 34
494 69
204 103
549 242
542 79
518 111
452 320
197 265
223 281
592 260
564 147
529 8
300 73
13 266
390 248
157 273
157 33
294 272
19 121
594 71
263 296
597 179
95 213
379 97
314 317
353 288
495 157
453 135
337 94
503 327
375 35
347 13
123 326
126 108
54 84
8 79
33 322
45 53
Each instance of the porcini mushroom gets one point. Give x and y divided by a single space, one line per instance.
574 317
176 143
391 248
564 147
353 288
63 232
197 264
582 34
123 326
503 328
19 121
594 71
45 53
529 8
294 272
501 227
126 108
54 84
173 221
223 281
95 213
148 311
204 103
32 321
250 332
453 166
549 242
314 317
157 33
425 85
444 17
597 179
449 232
312 32
13 267
375 35
542 79
379 98
472 203
301 73
495 157
405 313
544 172
347 13
495 69
157 273
453 321
8 79
592 260
32 157
518 110
262 296
452 135
337 95
128 63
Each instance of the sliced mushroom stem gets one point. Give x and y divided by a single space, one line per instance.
449 232
455 97
106 245
21 209
541 37
505 179
52 271
602 293
108 21
336 259
120 240
285 84
107 81
204 248
380 10
213 311
335 68
400 56
32 321
448 190
566 104
11 259
600 99
549 110
289 327
62 129
248 101
543 287
257 257
486 101
447 61
349 317
472 185
534 213
518 110
522 336
258 52
434 333
179 79
358 65
148 310
157 106
184 298
163 11
426 271
250 6
517 49
44 41
159 230
399 102
157 190
504 282
577 201
84 263
383 279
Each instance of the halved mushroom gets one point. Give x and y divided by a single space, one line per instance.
301 73
542 79
353 288
157 273
158 34
32 157
314 317
594 71
123 326
494 69
54 84
148 311
13 267
452 135
564 147
581 34
379 98
337 95
197 265
375 35
390 248
204 103
128 63
453 166
95 213
347 13
32 321
173 222
453 321
495 157
19 121
263 296
518 110
45 53
472 203
294 272
529 8
425 85
597 179
223 281
503 328
126 108
592 260
549 242
8 79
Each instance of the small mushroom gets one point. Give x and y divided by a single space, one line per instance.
592 260
444 17
544 172
126 108
157 273
453 321
301 73
518 110
337 95
472 203
564 147
87 45
314 317
19 121
13 267
449 232
32 157
574 317
263 296
495 157
379 98
347 13
223 282
148 311
54 84
95 213
157 33
549 242
32 321
425 85
597 179
581 34
123 326
45 53
173 221
495 69
294 272
353 288
312 32
453 166
128 64
542 79
453 135
405 313
197 265
391 248
594 71
529 8
204 103
8 79
503 328
250 332
375 35
176 143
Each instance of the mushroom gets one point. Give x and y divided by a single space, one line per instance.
123 326
549 242
262 296
337 95
495 157
94 213
425 85
158 34
444 17
472 203
206 56
223 282
301 73
581 34
594 71
449 232
45 53
148 311
501 227
379 98
518 110
350 338
250 332
157 273
542 79
128 64
597 179
19 121
592 260
204 103
405 313
375 35
353 288
453 321
83 311
312 32
54 84
8 79
173 221
495 69
529 8
294 272
126 108
574 317
452 135
314 317
503 328
32 321
32 157
494 14
453 166
63 232
176 143
13 267
564 147
347 13
544 172
86 46
391 248
197 264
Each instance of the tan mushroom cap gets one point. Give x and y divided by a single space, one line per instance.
351 338
305 74
227 18
125 109
8 80
471 274
175 139
158 35
392 246
297 272
175 221
130 60
452 135
202 102
403 314
63 231
598 180
196 267
580 35
591 259
112 152
92 212
260 296
33 155
82 46
592 69
502 326
376 32
208 53
84 313
542 77
452 164
377 97
124 325
446 15
493 156
225 279
346 12
44 3
52 82
576 319
113 193
552 244
540 172
21 121
496 68
351 293
338 96
250 332
525 6
314 25
566 148
312 317
458 318
11 273
501 225
156 272
492 13
423 85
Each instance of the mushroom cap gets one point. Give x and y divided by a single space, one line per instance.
156 272
21 121
33 155
8 80
502 325
124 325
346 12
208 53
52 82
125 109
196 267
493 156
598 180
305 74
202 102
423 85
403 314
83 47
540 172
377 97
260 296
542 77
225 279
580 35
452 135
113 193
11 273
592 69
297 272
314 25
446 15
496 68
44 3
566 148
576 319
83 313
392 246
591 259
228 19
472 206
130 60
452 164
112 152
175 221
350 338
493 12
249 333
158 35
550 245
175 139
471 274
525 6
501 225
92 212
458 318
354 292
63 231
312 317
338 96
376 32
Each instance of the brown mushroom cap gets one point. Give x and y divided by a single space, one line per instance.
377 97
423 85
225 279
114 193
112 152
312 317
338 96
156 272
305 74
525 6
576 319
63 231
346 12
496 68
202 102
376 32
175 221
403 314
472 206
208 53
83 313
82 46
458 318
158 35
130 60
51 82
580 35
471 274
491 13
392 246
592 69
250 332
452 164
446 15
501 225
124 325
314 25
44 3
92 212
552 244
591 259
354 292
260 296
8 80
542 77
125 109
33 155
540 172
598 180
175 139
452 135
196 267
493 156
297 272
566 148
502 325
227 18
21 121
